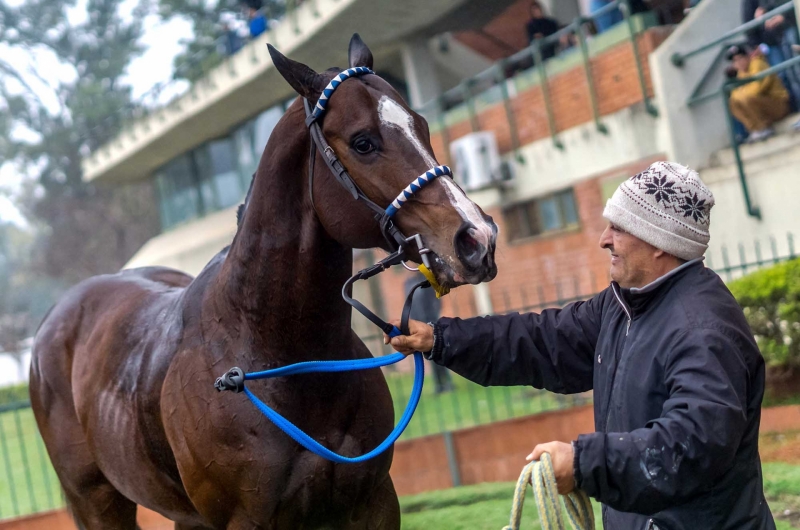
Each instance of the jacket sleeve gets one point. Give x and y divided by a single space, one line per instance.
748 13
689 447
553 349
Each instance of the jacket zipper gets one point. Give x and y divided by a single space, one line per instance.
624 308
613 379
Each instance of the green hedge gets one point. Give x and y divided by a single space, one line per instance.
13 394
771 302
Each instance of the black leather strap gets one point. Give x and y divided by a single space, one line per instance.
407 306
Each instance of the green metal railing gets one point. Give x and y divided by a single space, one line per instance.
679 59
496 75
28 483
697 96
727 88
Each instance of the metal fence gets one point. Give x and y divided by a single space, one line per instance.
28 483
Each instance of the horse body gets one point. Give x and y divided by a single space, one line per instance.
123 368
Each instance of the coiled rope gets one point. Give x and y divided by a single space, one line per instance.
545 492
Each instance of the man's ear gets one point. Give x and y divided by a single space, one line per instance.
302 79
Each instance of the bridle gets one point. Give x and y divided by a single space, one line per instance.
234 379
384 216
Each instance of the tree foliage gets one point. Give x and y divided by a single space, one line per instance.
62 90
202 51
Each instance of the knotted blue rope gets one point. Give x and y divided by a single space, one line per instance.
340 366
415 186
322 102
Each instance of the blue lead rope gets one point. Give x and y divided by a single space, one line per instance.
339 366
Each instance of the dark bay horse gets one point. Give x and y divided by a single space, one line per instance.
122 377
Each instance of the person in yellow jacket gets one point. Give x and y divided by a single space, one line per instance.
757 104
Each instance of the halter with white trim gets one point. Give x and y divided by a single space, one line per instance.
383 216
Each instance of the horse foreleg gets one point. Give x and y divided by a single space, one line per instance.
384 509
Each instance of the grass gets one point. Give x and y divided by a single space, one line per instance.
28 483
487 506
469 404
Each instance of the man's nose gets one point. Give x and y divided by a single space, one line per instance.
605 239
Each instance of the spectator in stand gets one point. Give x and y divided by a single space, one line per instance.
757 104
779 33
257 20
541 26
613 17
738 129
230 42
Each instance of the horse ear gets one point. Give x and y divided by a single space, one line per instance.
303 79
359 54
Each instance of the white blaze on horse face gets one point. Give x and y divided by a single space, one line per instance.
394 115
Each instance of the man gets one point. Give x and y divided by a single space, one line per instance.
677 376
779 33
541 26
757 104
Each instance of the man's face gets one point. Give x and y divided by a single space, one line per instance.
632 260
741 62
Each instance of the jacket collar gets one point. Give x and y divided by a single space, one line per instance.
636 299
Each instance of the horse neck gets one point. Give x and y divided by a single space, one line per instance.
283 273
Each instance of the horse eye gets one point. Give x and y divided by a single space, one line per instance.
363 146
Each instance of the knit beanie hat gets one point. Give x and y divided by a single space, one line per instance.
666 205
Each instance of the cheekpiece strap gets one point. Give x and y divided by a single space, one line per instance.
418 183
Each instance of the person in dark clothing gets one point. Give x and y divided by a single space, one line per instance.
677 376
779 33
541 26
427 308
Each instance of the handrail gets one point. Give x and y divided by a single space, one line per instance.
463 92
678 59
727 88
694 99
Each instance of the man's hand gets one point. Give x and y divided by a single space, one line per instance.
420 338
774 22
562 456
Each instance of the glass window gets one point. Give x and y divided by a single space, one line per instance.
264 125
248 158
542 215
568 208
179 200
551 220
220 183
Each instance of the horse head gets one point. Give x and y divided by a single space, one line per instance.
385 145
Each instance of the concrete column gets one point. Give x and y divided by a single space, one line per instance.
483 299
797 11
420 70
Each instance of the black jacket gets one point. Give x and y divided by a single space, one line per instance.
678 382
760 34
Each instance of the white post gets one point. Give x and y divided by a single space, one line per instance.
483 299
420 70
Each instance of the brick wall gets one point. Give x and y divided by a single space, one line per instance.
616 83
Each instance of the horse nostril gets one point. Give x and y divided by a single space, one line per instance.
470 251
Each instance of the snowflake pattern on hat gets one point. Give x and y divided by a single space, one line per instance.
670 195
